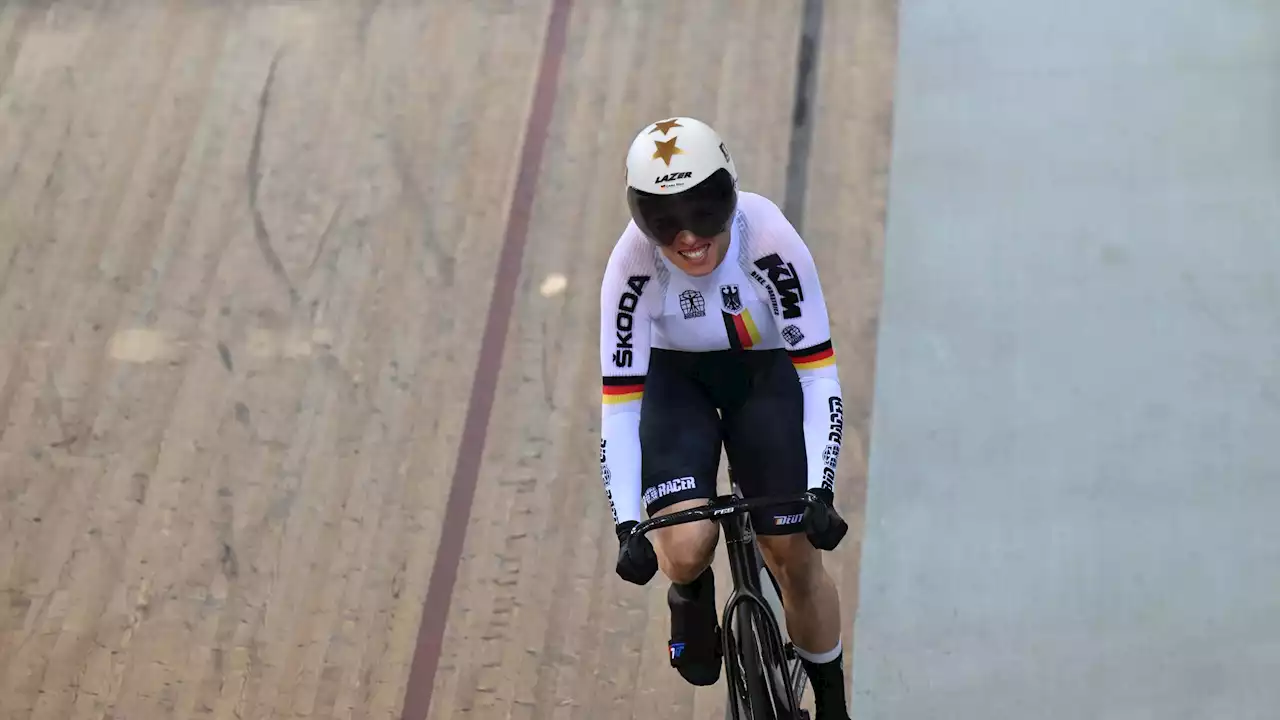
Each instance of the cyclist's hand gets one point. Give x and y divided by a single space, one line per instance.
637 562
822 523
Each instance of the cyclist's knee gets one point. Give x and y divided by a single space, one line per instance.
793 560
685 550
684 555
685 568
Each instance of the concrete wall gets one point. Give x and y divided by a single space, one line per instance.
1074 502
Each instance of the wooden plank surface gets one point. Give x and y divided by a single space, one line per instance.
246 253
540 626
844 225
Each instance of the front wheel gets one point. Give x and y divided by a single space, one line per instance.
749 695
760 686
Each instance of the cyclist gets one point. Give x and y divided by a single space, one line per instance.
714 333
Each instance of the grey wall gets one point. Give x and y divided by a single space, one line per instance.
1074 503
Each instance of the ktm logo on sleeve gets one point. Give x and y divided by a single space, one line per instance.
783 276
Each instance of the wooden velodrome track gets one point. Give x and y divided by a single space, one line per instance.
299 390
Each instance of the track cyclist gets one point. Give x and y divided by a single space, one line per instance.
714 332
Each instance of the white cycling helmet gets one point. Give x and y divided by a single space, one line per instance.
680 176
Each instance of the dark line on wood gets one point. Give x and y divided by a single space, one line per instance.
9 55
367 13
325 235
255 176
224 352
457 512
802 114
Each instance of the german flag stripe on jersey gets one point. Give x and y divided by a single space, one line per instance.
818 356
619 390
741 329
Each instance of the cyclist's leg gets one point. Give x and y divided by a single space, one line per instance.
765 445
679 457
685 551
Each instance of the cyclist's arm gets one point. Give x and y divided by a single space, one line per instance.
625 330
782 260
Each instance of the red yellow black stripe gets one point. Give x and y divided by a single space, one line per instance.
818 356
741 329
622 389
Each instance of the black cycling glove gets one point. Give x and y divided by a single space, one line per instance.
822 523
637 562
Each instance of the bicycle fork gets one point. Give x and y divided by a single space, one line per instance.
745 569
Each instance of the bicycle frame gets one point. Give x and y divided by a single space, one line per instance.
745 566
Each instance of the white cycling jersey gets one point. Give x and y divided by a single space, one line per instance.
764 295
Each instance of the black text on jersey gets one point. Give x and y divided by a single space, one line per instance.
624 321
834 438
783 277
606 476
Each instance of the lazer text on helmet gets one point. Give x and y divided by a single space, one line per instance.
671 177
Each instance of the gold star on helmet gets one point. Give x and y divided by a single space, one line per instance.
666 150
665 126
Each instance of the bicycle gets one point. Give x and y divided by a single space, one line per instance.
764 676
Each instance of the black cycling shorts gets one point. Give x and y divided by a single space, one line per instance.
750 401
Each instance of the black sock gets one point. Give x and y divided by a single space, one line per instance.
695 649
694 590
827 680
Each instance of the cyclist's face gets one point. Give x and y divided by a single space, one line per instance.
697 255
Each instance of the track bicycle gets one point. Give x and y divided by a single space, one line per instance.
763 673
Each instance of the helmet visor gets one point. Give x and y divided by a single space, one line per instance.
704 209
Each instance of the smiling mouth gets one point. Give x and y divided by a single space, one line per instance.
696 253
